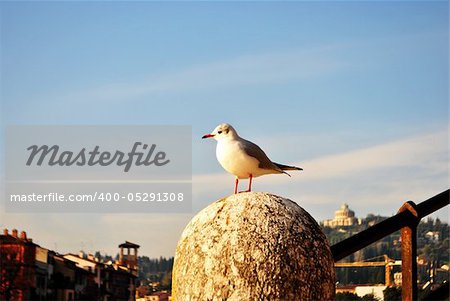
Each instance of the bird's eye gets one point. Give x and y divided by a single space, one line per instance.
219 132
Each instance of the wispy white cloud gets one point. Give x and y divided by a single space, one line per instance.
253 69
428 152
258 68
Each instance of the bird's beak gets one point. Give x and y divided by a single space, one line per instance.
208 136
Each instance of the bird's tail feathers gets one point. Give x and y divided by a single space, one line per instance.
285 173
287 167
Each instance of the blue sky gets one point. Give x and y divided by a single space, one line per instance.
355 92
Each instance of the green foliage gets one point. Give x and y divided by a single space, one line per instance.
436 248
347 297
166 281
369 297
353 297
392 294
156 270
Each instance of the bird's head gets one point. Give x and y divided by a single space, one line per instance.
222 131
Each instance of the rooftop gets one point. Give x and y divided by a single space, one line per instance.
128 244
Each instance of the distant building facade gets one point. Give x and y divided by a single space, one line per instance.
363 290
18 268
104 281
342 217
31 272
375 290
157 296
433 235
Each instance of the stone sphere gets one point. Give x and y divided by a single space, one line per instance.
253 246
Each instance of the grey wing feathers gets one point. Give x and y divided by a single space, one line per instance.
255 151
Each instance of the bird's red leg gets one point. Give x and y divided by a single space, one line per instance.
250 184
236 185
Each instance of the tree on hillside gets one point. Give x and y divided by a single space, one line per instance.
392 294
347 297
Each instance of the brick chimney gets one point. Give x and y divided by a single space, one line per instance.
5 232
23 235
14 233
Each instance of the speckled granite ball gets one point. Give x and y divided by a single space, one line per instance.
253 246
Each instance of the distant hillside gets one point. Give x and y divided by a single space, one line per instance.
156 271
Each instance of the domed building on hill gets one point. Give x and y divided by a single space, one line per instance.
343 217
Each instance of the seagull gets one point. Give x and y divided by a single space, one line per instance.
242 158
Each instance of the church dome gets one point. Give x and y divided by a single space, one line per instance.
344 212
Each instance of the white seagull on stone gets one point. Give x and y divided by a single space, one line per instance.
243 158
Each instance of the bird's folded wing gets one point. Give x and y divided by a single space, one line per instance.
256 152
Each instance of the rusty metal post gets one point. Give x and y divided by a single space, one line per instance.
409 253
409 264
387 271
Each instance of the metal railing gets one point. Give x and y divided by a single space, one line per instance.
406 220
